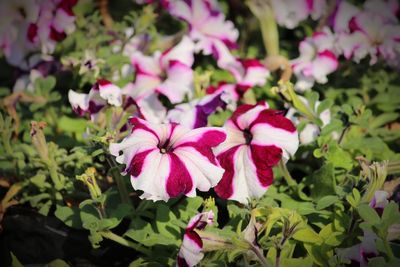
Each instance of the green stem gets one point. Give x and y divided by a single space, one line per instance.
388 250
260 256
124 242
123 190
289 179
270 34
269 29
54 175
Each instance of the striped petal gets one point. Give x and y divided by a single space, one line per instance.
257 138
190 252
169 160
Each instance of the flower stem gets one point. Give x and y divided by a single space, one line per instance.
260 256
123 190
269 29
289 179
124 242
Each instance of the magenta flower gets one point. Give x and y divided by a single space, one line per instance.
168 73
206 22
31 27
168 160
102 93
289 13
317 60
371 31
257 138
190 252
208 28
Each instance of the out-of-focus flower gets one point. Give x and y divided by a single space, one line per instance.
169 160
208 28
190 252
27 82
194 114
257 138
247 73
361 253
167 73
310 131
371 31
102 93
289 13
29 27
317 59
206 22
379 201
371 35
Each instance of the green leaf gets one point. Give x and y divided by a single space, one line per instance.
323 182
15 262
368 214
69 215
326 201
307 235
75 125
57 263
165 222
324 105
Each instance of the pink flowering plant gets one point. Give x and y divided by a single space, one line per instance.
199 133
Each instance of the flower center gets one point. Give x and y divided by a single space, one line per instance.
247 136
165 147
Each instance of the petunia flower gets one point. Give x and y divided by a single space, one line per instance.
371 35
169 160
247 73
194 114
167 73
208 28
29 28
317 59
190 252
289 13
380 201
102 93
257 139
360 254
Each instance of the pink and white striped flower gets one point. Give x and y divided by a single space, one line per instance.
207 24
169 160
168 73
102 93
28 27
208 28
190 252
289 13
247 73
317 60
371 35
257 139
